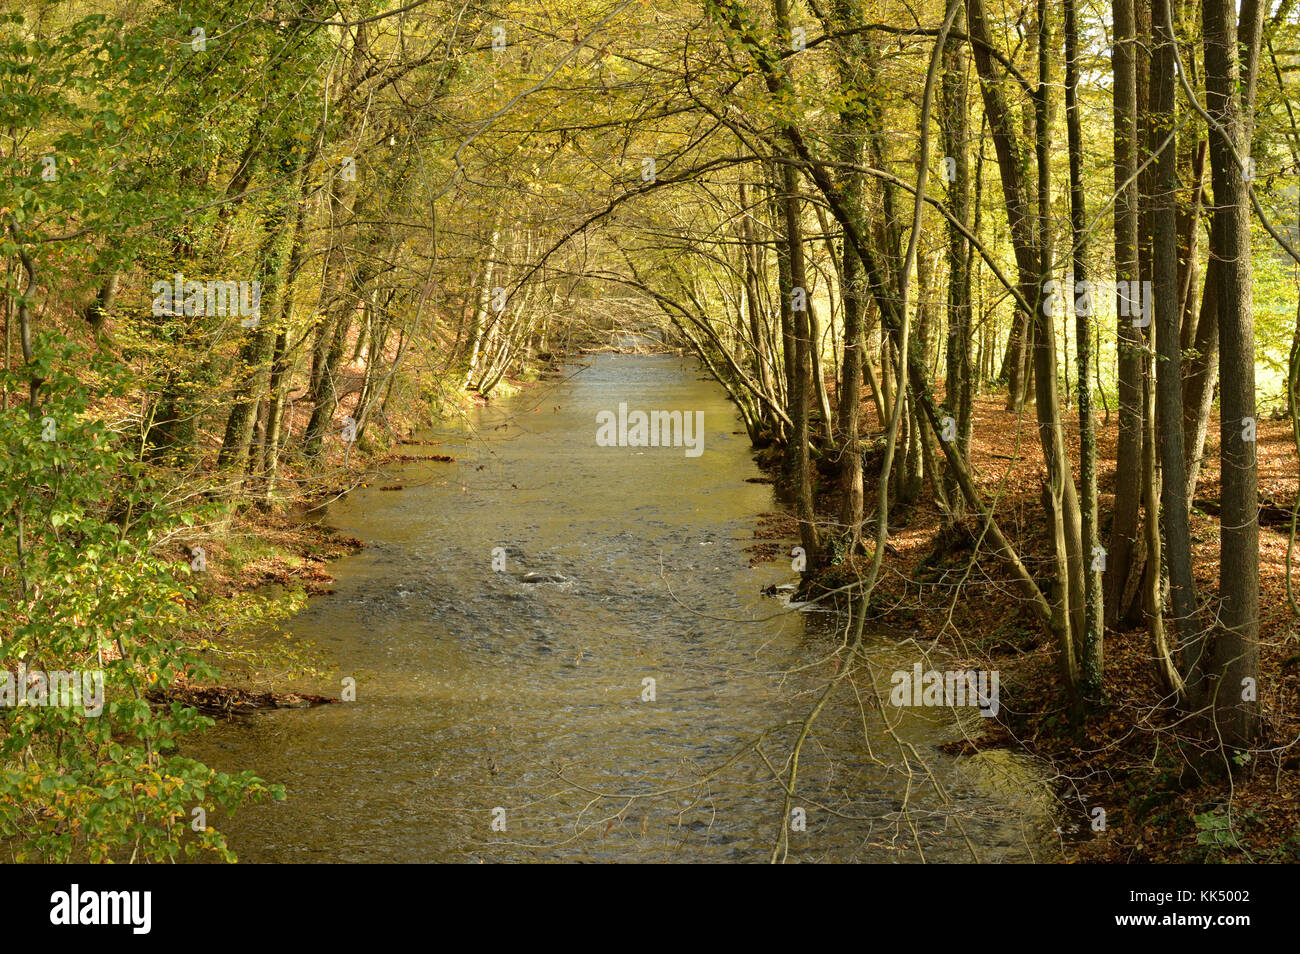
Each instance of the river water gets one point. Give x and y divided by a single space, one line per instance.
503 720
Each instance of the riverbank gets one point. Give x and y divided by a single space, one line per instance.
281 543
280 551
1127 759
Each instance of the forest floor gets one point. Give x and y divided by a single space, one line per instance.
1132 756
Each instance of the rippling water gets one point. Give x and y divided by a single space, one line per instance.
477 691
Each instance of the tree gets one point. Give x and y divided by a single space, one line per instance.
1235 651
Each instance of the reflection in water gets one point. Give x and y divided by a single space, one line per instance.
479 690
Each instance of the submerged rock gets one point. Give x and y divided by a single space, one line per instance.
542 578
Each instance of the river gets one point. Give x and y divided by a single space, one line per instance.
501 720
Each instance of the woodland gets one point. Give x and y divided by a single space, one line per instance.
1006 293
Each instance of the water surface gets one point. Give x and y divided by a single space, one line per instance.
477 691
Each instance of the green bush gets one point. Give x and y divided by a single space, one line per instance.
84 587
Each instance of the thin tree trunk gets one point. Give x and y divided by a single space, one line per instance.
1091 655
955 122
1166 302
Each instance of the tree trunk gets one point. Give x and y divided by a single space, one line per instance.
753 307
1166 303
1235 653
1125 526
1091 655
481 304
798 290
800 386
958 387
1051 431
